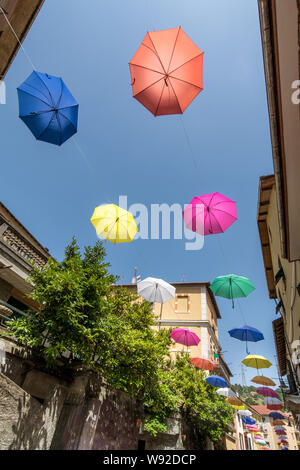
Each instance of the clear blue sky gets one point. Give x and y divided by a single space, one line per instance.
53 190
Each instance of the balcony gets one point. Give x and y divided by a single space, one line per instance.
18 255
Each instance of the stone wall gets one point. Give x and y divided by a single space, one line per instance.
26 424
41 410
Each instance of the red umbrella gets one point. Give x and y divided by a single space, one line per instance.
267 392
185 337
166 71
202 363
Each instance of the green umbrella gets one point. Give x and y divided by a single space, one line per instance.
232 287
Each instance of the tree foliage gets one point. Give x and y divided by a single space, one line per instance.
110 330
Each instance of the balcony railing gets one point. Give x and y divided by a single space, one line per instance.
21 247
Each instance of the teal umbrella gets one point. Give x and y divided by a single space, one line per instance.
232 287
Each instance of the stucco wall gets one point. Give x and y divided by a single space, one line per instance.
285 288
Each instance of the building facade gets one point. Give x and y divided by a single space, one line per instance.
19 253
193 307
21 14
279 195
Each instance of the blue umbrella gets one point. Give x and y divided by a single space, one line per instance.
216 381
246 333
284 448
248 420
276 415
48 108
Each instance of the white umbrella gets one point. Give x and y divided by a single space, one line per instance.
272 401
244 413
225 392
156 290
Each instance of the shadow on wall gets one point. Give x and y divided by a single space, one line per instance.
26 424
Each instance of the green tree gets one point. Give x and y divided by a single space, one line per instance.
109 330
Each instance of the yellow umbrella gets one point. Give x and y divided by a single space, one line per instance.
239 407
114 223
234 401
261 380
257 362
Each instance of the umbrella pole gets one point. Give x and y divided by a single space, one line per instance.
247 346
231 293
161 307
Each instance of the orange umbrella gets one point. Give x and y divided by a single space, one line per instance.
202 363
234 401
167 71
278 422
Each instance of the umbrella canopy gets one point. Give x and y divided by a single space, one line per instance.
257 362
239 407
47 108
281 433
278 422
282 441
261 380
219 214
273 403
202 363
276 415
232 287
260 442
284 448
216 381
234 401
156 290
114 223
258 436
279 428
267 392
166 72
246 333
265 448
248 420
244 413
185 337
225 392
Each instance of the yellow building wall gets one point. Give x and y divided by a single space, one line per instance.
185 307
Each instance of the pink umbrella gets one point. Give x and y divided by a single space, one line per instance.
259 437
219 214
282 441
185 336
267 392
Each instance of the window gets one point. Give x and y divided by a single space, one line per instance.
182 303
19 305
